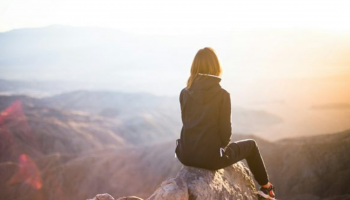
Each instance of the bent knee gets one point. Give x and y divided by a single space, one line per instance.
252 142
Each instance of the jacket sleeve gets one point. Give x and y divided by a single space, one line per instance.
225 120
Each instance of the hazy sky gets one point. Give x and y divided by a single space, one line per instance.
177 17
265 38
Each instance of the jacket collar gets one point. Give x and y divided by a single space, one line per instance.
204 88
209 75
205 82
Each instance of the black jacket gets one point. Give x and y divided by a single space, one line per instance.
206 118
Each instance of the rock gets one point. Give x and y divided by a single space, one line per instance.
130 198
109 197
102 197
232 182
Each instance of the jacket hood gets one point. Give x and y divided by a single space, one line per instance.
204 88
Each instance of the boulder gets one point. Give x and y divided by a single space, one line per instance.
233 182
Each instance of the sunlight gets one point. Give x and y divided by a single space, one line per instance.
176 17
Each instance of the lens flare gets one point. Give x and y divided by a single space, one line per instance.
13 124
27 172
12 112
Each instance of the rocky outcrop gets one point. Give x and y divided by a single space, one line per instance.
232 182
109 197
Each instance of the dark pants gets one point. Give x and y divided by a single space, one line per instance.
248 149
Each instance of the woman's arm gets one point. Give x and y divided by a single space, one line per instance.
225 119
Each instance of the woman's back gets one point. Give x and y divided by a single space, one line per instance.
201 107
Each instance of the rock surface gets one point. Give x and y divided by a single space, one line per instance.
102 197
232 182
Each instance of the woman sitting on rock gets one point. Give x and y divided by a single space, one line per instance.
206 132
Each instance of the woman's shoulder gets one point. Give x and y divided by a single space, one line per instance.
225 92
183 90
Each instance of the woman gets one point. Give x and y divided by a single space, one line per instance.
206 131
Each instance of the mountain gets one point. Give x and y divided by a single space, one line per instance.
91 57
158 118
37 88
46 151
62 147
134 117
137 107
315 166
36 131
110 59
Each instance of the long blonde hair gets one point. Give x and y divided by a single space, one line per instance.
205 62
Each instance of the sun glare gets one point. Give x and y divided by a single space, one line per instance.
176 17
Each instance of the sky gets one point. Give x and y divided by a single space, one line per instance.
170 17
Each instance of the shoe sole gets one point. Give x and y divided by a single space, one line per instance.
265 196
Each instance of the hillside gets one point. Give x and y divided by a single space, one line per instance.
317 165
48 151
136 123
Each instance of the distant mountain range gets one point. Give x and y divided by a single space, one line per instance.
146 111
72 151
105 58
36 88
129 118
110 59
